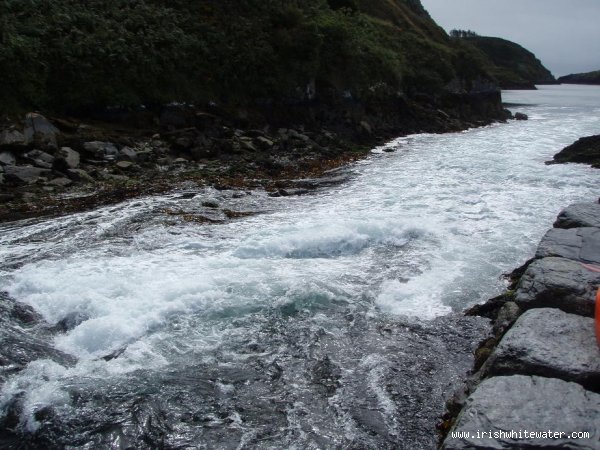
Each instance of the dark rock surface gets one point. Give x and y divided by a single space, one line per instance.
559 283
549 342
586 150
579 244
579 215
532 404
25 174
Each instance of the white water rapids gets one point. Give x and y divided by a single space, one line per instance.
420 232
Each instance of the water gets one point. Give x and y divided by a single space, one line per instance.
329 320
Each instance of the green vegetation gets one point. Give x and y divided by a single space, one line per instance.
512 66
72 55
581 78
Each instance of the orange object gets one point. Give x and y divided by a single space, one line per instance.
598 317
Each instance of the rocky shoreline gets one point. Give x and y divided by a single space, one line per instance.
540 370
55 165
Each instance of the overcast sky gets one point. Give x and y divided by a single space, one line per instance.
563 34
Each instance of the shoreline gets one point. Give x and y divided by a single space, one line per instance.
61 166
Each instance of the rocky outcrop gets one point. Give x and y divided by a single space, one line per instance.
542 373
527 404
586 151
581 78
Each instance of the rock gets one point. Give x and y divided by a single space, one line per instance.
124 165
12 138
70 156
40 132
24 174
79 175
210 204
40 158
558 283
246 144
521 116
586 150
507 315
533 404
549 342
579 215
7 159
144 156
129 154
263 142
60 182
579 244
102 150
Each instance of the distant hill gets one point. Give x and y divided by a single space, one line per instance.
581 78
513 66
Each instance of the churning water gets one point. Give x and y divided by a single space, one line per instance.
329 320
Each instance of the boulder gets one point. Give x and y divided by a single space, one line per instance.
7 159
40 158
263 142
558 283
549 342
579 215
507 406
129 154
25 174
12 138
579 244
70 157
103 150
40 132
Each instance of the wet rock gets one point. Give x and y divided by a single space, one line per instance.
25 174
579 244
7 159
79 175
40 132
558 283
69 322
102 150
144 156
579 215
549 342
60 182
70 156
521 116
12 138
518 402
586 150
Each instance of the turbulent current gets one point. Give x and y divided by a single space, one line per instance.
327 320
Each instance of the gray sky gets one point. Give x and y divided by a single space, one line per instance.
563 34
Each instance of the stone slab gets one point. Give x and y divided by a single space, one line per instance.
558 283
551 343
579 215
534 404
579 244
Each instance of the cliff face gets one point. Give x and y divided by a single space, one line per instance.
513 66
581 78
320 60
